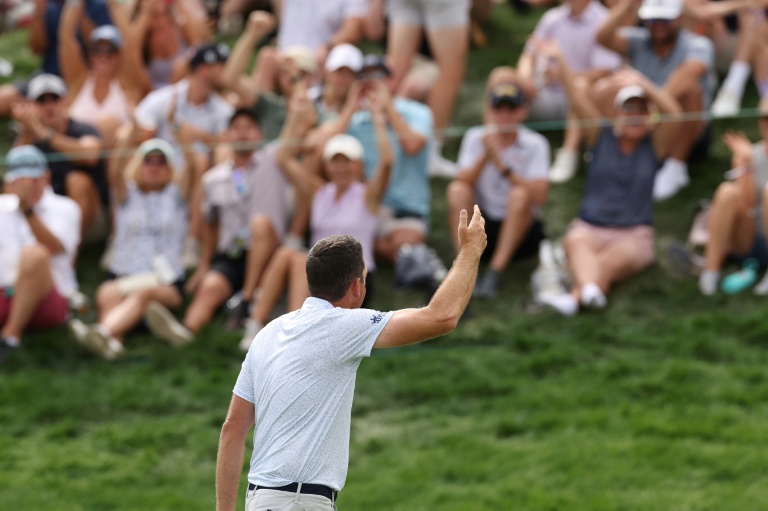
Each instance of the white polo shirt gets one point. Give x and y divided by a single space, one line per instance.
300 375
61 215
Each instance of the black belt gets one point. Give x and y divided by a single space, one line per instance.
308 488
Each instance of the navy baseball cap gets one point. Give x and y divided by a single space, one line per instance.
374 62
506 94
25 161
209 53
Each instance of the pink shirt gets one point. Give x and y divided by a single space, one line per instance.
576 36
347 215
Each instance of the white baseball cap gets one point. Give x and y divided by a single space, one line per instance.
660 9
344 55
46 84
302 56
626 93
346 145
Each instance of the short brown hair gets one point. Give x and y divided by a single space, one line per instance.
332 265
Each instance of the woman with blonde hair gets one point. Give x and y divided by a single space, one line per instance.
150 227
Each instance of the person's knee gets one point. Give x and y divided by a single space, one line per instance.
106 294
261 227
573 238
400 237
79 183
212 291
458 193
519 199
727 195
34 257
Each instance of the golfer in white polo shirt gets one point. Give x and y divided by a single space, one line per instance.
298 378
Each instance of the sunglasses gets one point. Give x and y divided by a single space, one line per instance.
47 98
103 50
658 21
156 160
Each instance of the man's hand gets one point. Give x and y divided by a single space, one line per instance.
23 113
196 279
261 23
472 238
741 148
22 188
380 96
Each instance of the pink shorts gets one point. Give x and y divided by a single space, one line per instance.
641 238
52 311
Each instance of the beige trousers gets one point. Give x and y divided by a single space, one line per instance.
275 500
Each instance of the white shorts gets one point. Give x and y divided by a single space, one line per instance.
431 14
388 222
549 105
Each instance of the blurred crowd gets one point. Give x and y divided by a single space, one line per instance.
208 170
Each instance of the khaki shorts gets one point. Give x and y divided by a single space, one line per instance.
641 238
388 222
431 14
275 500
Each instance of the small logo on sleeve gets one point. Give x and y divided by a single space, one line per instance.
376 318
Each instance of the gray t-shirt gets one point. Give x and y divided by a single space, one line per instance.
300 375
528 157
619 188
689 46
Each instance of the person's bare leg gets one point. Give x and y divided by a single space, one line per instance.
212 293
617 262
9 95
264 242
459 195
298 288
33 284
275 281
583 259
760 60
685 89
402 44
514 227
198 165
386 248
81 189
127 315
107 298
730 227
108 127
301 215
572 140
449 47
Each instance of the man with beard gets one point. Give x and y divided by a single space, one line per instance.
244 216
673 58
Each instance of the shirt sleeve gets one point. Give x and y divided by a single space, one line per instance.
603 58
244 384
355 9
635 38
149 113
539 161
471 148
357 331
65 225
418 117
701 49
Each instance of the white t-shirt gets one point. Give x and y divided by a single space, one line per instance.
300 375
528 157
153 113
61 215
312 24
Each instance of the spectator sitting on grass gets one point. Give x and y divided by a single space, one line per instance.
673 58
504 171
150 227
738 214
244 212
38 240
73 148
613 237
342 205
574 26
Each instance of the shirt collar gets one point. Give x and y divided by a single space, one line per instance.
317 303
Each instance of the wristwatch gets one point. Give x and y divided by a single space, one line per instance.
28 212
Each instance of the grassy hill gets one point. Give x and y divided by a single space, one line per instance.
659 402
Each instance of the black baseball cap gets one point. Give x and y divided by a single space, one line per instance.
209 53
507 93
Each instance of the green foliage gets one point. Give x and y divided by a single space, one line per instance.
660 402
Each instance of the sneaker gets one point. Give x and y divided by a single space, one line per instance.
708 282
670 179
565 166
237 316
294 241
190 257
593 297
164 325
6 348
252 328
77 331
761 289
564 303
726 104
487 286
438 165
439 271
100 343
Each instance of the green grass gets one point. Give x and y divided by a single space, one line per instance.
660 402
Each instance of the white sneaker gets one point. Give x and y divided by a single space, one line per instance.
78 330
761 289
545 280
726 104
164 325
252 328
565 303
670 179
708 281
190 257
593 297
438 165
565 166
100 343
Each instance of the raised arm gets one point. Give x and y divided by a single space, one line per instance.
247 87
299 121
705 11
623 13
192 25
377 186
117 164
36 37
132 73
74 69
441 316
669 129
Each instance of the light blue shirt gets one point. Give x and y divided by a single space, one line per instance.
408 190
300 376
